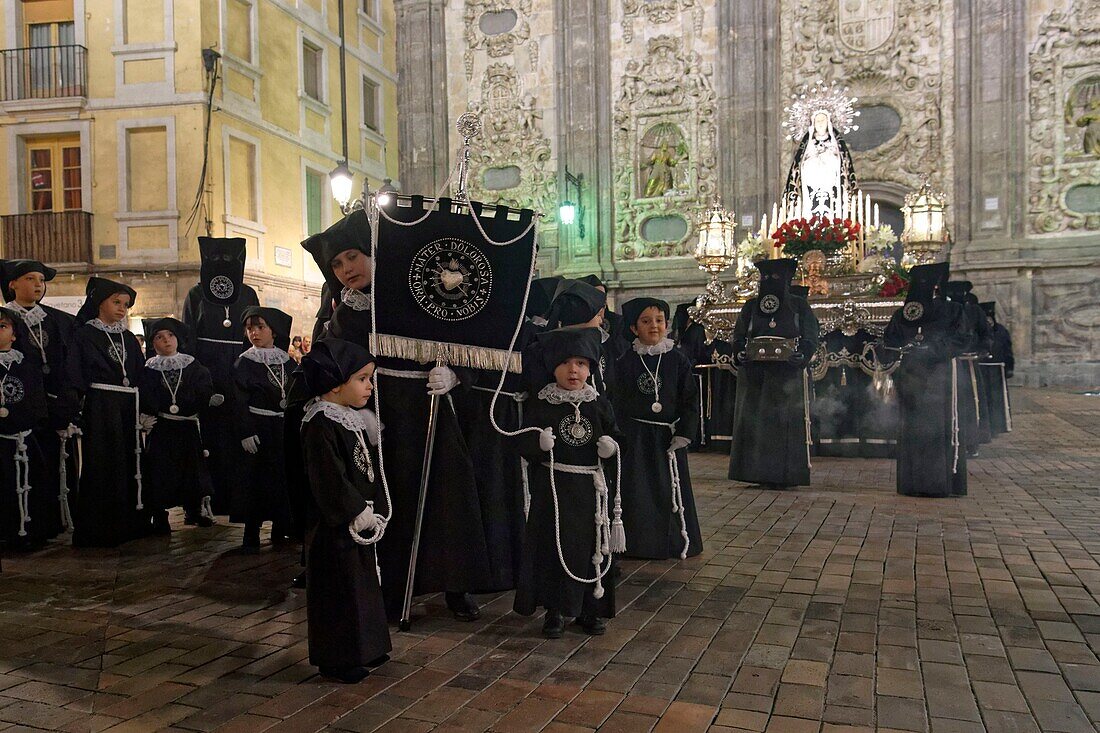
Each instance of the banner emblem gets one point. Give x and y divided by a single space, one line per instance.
450 279
221 287
913 311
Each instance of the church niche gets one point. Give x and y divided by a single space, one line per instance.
663 161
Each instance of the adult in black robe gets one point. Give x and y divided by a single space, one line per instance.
656 403
614 324
970 322
262 382
49 336
850 419
771 418
109 509
997 370
24 523
562 512
175 388
924 335
346 618
453 554
213 311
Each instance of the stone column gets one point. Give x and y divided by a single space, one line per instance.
422 119
748 91
584 131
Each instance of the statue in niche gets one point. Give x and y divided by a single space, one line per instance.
1083 110
665 156
821 178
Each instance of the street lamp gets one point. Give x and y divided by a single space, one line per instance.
386 192
716 249
925 232
568 211
341 181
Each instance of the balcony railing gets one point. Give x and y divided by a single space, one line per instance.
43 72
50 236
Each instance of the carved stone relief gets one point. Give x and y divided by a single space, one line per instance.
1067 316
498 45
1064 125
888 52
664 161
658 12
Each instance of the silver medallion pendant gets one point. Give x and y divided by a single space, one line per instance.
174 409
125 381
771 323
656 407
227 323
769 304
3 412
282 404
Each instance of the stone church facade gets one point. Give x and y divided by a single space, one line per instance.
658 105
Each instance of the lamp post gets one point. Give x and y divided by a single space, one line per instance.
715 251
925 233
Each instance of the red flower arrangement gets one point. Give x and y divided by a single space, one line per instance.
798 236
896 285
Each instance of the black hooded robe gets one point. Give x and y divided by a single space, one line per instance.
849 418
25 401
930 459
769 443
997 370
542 581
217 347
346 617
263 492
175 469
106 514
653 527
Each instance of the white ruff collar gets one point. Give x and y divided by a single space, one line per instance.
160 363
31 316
116 327
7 358
661 347
272 355
357 300
555 395
342 415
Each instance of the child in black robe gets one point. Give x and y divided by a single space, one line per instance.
174 388
345 612
657 401
565 559
22 411
109 508
263 373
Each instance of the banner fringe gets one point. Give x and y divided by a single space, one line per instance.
427 352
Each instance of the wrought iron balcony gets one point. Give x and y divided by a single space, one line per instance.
56 237
43 72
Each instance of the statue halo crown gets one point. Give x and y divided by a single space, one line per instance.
830 98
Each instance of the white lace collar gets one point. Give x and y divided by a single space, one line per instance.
357 300
555 395
160 363
342 415
116 327
271 355
31 316
661 347
12 356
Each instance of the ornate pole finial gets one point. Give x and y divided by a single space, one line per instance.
469 127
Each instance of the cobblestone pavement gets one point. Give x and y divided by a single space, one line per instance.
838 608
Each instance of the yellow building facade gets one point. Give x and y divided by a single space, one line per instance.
128 128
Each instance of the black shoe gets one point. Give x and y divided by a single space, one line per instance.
203 521
379 661
592 625
251 543
348 675
190 520
160 524
553 625
463 606
299 581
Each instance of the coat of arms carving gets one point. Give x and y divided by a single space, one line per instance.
865 25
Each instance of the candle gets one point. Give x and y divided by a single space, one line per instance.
876 215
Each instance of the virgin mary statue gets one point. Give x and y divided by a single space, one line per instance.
822 175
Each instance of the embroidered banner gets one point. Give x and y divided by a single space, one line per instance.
442 291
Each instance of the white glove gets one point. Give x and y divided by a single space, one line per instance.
546 440
73 430
251 445
216 400
441 380
366 521
605 446
373 425
63 433
147 422
678 442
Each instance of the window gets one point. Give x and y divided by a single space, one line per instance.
311 71
315 187
238 29
242 180
370 104
370 9
53 174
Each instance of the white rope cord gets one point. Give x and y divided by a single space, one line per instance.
206 509
974 389
806 412
955 414
63 475
264 413
1004 392
137 428
677 487
22 478
380 527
